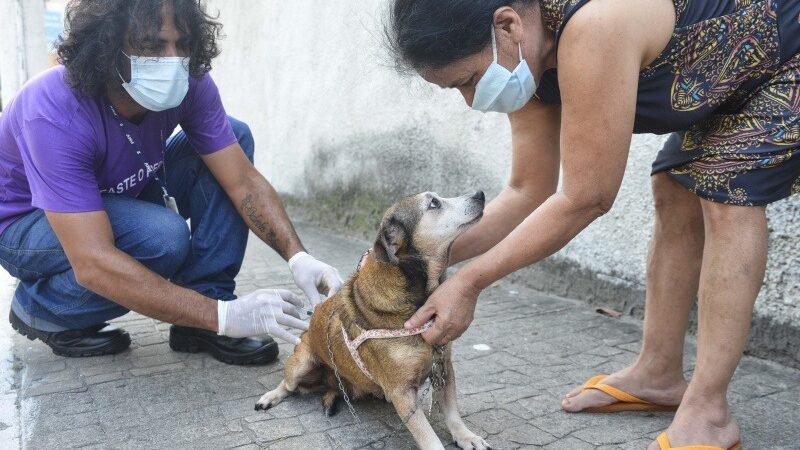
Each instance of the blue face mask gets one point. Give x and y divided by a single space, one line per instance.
157 83
502 91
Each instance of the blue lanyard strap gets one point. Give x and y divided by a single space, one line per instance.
150 168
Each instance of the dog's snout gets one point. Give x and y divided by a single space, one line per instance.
479 196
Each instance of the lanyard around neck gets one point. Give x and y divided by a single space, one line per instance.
150 168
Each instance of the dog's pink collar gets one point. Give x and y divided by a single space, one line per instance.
363 259
353 345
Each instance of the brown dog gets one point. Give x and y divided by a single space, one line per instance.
408 262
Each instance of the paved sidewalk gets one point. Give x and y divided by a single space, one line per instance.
524 350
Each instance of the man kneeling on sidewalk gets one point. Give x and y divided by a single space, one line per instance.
95 197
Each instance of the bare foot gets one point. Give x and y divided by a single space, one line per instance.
660 388
702 423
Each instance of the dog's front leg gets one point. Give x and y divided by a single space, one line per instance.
446 399
299 364
405 403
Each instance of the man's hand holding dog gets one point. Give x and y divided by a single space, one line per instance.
452 306
314 277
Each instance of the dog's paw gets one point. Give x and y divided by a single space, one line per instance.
269 400
470 441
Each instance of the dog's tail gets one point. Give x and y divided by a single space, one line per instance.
331 400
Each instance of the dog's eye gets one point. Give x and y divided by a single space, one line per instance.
435 204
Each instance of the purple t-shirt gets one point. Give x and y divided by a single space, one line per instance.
60 150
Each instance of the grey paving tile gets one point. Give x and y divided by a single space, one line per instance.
539 347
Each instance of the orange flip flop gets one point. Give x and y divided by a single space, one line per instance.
663 442
625 401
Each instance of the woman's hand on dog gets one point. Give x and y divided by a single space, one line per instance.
452 308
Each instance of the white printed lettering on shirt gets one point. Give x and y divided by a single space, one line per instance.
132 180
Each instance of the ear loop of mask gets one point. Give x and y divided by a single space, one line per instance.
116 66
494 47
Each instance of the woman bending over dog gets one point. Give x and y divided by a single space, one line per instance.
577 78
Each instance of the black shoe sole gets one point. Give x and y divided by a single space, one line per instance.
111 347
180 342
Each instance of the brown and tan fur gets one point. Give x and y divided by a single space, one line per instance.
408 262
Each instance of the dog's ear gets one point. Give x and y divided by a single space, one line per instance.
391 242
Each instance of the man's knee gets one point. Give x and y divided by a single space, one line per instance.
163 244
174 236
245 137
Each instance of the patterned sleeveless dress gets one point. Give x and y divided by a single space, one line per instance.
727 87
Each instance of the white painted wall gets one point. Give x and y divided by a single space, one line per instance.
23 49
329 112
312 76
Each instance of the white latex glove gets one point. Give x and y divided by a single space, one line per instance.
314 277
261 312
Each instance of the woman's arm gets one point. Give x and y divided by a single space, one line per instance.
599 63
534 177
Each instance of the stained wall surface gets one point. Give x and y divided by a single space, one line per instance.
341 134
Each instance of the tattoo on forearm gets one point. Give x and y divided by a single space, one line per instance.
272 240
251 211
249 208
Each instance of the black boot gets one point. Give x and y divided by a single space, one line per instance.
240 351
98 340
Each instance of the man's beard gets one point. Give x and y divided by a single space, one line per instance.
115 91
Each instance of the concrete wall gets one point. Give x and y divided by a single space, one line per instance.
339 131
23 49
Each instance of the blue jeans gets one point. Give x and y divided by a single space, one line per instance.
206 258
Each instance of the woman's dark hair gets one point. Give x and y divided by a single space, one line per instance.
95 29
430 34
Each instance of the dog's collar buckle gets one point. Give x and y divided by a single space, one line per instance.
352 345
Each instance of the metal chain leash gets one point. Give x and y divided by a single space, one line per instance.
437 378
336 370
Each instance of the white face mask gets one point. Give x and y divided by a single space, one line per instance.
157 83
502 91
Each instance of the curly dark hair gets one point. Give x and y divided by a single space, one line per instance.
94 31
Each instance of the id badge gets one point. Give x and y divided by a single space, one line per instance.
169 202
